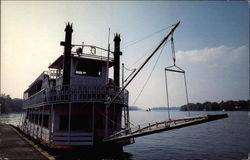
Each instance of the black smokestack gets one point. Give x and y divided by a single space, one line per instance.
117 54
67 54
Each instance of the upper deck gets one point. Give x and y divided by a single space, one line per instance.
74 94
78 76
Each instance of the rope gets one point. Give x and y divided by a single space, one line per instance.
145 37
116 122
167 94
173 48
186 94
149 75
174 65
149 51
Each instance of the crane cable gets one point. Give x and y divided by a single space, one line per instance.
149 74
130 43
174 65
173 48
149 51
135 127
163 42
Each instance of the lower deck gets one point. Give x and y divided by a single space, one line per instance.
73 124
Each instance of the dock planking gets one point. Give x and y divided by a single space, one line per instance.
13 146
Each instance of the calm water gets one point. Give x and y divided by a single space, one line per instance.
225 139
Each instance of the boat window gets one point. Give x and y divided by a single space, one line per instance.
77 122
36 87
46 121
100 122
80 122
25 95
88 68
113 121
36 119
64 122
40 119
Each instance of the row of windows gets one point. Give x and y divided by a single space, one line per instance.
77 122
88 68
37 119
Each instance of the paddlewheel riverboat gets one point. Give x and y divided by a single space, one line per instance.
65 106
76 104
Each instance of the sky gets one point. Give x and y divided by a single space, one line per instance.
211 44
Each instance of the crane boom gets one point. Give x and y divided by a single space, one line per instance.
156 49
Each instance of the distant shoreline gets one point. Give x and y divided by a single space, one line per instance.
241 105
9 105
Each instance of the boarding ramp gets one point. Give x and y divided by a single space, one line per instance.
163 126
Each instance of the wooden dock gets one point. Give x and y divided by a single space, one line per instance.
14 146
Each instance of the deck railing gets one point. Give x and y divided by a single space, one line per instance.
73 139
74 93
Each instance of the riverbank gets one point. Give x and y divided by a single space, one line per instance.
241 105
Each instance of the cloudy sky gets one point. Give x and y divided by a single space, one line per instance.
211 44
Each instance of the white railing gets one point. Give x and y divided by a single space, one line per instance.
73 139
36 131
74 93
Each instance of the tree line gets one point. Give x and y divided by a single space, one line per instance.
9 105
214 106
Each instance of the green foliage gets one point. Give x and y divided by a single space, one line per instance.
9 105
214 106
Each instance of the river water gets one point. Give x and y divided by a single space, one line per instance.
225 139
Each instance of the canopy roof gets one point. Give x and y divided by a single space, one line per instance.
58 63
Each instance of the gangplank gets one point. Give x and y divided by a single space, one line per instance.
163 126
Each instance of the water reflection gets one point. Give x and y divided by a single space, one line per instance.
13 118
90 155
213 140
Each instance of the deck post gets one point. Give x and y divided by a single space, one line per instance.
53 119
42 123
25 120
38 122
69 123
128 122
106 121
114 117
50 125
28 121
27 125
33 123
93 120
20 121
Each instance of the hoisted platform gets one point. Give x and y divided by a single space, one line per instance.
163 126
